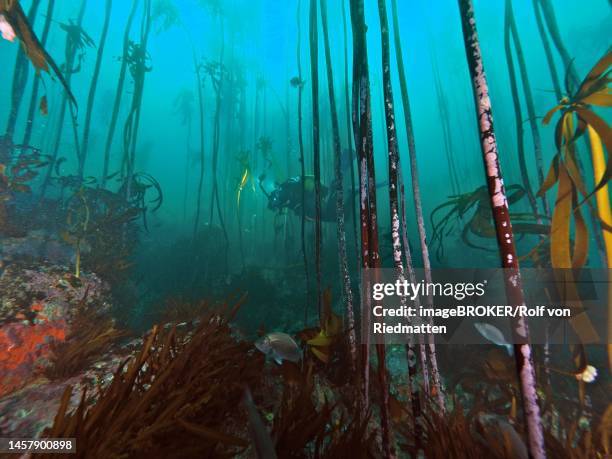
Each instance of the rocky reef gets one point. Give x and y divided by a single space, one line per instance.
41 307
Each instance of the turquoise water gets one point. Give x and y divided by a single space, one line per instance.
185 215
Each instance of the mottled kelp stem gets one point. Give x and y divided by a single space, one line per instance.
362 125
362 118
347 292
531 113
316 147
394 172
302 161
518 115
415 396
34 97
20 79
503 228
118 94
418 205
93 86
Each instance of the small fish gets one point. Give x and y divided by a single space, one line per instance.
494 335
279 346
44 107
264 446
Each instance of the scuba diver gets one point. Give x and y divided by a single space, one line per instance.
288 195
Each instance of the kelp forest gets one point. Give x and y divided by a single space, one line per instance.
195 196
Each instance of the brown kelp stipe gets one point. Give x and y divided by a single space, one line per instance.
430 350
218 75
138 58
345 276
199 84
316 142
92 88
20 78
503 227
34 102
118 93
509 39
362 126
394 171
529 102
349 140
300 88
72 47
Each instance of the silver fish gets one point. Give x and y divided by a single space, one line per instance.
279 346
493 334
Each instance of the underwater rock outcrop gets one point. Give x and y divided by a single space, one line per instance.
30 410
37 308
38 245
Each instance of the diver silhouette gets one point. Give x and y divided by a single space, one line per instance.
288 195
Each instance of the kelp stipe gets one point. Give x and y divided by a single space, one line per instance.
503 229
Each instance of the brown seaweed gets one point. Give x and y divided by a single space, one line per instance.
92 335
179 397
12 11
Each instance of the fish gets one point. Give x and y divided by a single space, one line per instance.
14 24
493 334
279 346
264 446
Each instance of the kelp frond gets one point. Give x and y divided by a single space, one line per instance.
576 117
470 215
